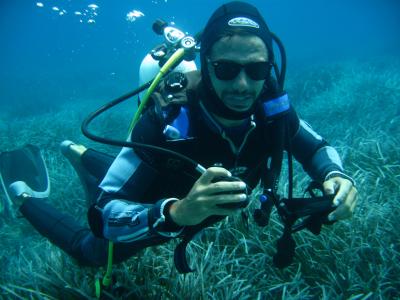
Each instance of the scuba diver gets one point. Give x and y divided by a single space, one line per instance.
232 117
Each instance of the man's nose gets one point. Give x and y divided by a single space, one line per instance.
241 82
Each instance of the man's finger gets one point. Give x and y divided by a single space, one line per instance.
353 205
212 172
342 194
353 198
346 209
329 187
226 187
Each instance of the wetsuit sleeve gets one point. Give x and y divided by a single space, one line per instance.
126 215
317 157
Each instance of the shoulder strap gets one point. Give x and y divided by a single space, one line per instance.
270 172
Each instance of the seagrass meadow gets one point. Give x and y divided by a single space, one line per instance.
354 104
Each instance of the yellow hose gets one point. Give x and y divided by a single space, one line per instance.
107 279
165 68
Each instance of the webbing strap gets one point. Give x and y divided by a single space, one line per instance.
180 259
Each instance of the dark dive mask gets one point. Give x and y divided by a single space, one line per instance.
228 70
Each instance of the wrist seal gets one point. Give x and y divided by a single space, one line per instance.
163 223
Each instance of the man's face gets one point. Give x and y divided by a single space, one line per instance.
240 92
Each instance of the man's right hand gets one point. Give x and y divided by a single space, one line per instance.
202 200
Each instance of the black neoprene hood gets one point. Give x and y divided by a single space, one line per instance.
234 14
229 16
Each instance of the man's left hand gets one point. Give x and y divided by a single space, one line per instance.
345 198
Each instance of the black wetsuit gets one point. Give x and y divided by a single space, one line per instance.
141 183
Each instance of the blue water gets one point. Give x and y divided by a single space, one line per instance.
48 58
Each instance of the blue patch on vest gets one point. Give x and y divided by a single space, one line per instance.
276 106
179 128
